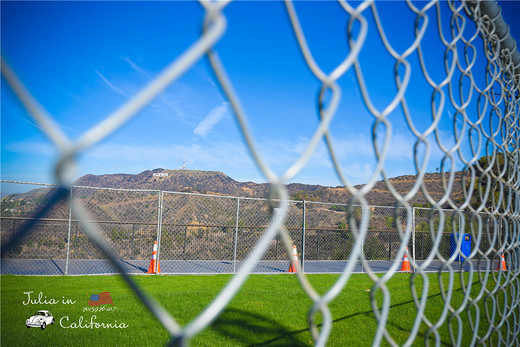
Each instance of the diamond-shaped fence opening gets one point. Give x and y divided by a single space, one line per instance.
197 233
478 230
329 232
253 219
127 219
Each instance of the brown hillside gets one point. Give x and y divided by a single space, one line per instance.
217 183
380 195
207 182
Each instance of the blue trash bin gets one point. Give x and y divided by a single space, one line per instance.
465 247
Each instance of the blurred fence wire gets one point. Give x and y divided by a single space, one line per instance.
85 223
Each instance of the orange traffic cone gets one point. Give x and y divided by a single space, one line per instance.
151 268
294 261
501 264
406 264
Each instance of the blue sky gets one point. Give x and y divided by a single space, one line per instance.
82 60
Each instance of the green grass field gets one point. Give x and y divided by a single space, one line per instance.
269 310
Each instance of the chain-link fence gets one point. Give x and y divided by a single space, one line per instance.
199 233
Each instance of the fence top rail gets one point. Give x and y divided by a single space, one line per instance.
498 25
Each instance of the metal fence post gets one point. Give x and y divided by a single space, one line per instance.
236 238
303 239
461 235
413 234
159 227
68 233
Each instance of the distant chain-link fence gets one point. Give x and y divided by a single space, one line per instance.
484 98
199 233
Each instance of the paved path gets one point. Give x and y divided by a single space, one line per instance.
100 266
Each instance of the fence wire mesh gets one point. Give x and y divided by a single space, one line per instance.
196 233
213 234
107 225
199 233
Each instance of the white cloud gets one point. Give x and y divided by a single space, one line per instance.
135 67
213 117
111 86
203 73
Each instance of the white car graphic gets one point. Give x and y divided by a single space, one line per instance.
40 320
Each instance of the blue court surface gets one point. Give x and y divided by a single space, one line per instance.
102 266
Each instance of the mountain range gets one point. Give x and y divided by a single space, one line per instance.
218 183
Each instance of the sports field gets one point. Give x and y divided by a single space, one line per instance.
269 310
